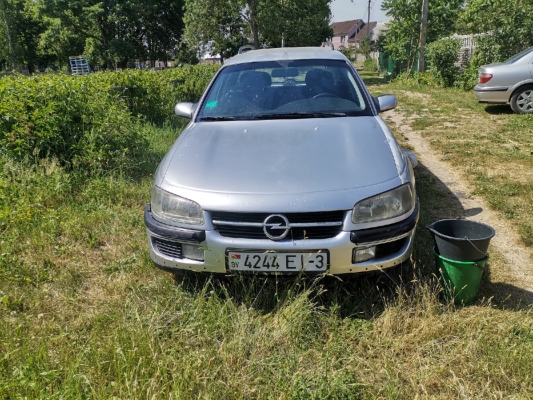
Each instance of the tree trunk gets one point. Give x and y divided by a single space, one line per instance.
252 5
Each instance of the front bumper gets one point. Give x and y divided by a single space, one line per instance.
492 94
165 243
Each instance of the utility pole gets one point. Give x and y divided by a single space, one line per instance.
423 31
368 20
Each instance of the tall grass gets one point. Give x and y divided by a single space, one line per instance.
84 314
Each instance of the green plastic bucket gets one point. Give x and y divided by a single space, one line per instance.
459 279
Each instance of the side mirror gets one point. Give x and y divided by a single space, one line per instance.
185 109
386 102
412 157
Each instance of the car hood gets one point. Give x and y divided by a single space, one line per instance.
282 157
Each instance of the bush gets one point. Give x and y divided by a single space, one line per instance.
417 79
153 94
370 65
83 122
347 52
441 56
488 51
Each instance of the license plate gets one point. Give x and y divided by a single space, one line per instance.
278 262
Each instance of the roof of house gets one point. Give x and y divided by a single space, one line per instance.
343 27
363 32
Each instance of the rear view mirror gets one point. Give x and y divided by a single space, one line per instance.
185 109
285 72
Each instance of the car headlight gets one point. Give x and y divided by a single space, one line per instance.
386 205
168 206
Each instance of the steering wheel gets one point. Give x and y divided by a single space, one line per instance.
325 95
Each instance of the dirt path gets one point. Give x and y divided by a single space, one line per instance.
507 242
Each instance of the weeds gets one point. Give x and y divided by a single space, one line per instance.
86 125
86 315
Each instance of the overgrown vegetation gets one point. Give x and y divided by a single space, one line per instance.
442 56
91 123
403 34
86 315
370 65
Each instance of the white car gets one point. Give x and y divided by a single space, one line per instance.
285 167
508 82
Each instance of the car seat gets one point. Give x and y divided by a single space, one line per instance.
253 85
319 81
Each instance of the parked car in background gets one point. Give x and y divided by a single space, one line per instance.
508 82
285 167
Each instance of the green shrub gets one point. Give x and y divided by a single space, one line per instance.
73 119
347 52
370 65
153 94
94 122
487 51
441 56
417 79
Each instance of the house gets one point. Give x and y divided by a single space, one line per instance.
367 29
209 58
374 29
343 31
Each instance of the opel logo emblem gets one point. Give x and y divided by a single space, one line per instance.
276 226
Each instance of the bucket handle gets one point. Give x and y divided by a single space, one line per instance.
475 247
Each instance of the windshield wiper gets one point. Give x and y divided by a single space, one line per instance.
219 118
295 115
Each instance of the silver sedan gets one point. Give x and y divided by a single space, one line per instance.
508 82
285 167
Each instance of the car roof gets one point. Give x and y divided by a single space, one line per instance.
286 53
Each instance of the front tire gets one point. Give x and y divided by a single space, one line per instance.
522 100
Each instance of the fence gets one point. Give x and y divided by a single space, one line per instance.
79 65
467 41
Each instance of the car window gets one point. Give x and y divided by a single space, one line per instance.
285 89
518 56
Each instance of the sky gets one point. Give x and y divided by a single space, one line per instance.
345 10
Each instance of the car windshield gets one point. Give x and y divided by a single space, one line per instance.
285 90
518 56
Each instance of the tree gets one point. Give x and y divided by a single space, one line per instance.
57 43
365 46
224 25
115 31
20 33
508 29
403 33
218 26
153 28
297 22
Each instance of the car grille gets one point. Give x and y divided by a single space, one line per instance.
167 248
250 224
387 249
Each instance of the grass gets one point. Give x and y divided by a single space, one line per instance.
85 314
491 146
